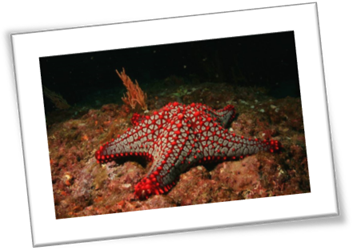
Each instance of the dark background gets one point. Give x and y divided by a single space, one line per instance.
267 60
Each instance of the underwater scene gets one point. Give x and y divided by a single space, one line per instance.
174 125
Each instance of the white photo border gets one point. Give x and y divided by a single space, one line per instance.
29 47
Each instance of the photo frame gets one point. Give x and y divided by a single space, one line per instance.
29 47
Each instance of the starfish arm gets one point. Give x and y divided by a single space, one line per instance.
162 176
214 143
223 116
169 153
135 142
226 115
229 146
225 146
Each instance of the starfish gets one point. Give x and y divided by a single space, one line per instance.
177 137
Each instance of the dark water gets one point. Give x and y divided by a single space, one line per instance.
89 79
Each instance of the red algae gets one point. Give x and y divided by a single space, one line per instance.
238 175
194 187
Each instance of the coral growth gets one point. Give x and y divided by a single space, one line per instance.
134 93
56 99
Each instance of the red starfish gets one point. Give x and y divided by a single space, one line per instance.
176 138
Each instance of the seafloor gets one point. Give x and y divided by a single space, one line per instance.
82 187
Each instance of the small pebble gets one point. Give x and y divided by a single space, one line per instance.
243 102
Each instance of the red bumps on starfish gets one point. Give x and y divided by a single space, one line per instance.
176 138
